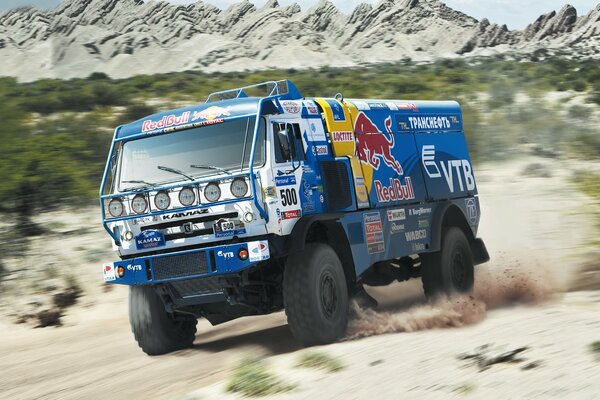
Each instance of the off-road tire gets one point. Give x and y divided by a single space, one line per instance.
315 295
450 270
155 331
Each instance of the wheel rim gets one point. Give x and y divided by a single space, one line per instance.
329 298
459 271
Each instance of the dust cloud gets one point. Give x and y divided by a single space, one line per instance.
494 288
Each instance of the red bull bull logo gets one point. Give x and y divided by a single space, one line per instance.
372 145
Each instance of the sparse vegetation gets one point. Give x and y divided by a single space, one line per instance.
595 348
318 360
252 378
465 389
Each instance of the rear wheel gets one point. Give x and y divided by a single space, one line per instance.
316 295
155 330
449 270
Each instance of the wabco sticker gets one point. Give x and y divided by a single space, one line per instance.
289 180
374 233
413 236
396 215
165 122
149 240
258 251
211 113
291 107
108 270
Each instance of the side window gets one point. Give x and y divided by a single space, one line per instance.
288 143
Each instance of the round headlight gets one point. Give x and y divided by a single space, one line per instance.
139 204
162 201
115 208
212 192
239 188
187 196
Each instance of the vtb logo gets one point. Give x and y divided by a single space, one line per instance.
372 145
450 168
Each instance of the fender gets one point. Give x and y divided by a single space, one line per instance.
448 212
296 240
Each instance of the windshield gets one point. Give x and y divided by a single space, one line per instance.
192 153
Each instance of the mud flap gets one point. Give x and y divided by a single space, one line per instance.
479 251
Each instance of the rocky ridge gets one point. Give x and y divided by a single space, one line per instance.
128 37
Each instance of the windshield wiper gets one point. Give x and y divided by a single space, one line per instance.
148 184
211 167
175 171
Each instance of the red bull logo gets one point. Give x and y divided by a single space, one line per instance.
372 145
396 191
165 122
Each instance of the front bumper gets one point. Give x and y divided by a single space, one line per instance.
198 263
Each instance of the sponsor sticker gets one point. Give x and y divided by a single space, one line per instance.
289 180
428 123
361 105
414 236
224 228
320 150
211 113
291 107
419 211
471 210
343 136
398 214
108 270
258 251
269 191
396 191
407 106
149 240
227 255
423 223
396 228
293 214
311 107
165 122
377 105
374 233
337 110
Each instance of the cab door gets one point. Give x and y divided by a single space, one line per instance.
296 183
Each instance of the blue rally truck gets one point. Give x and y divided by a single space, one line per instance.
260 200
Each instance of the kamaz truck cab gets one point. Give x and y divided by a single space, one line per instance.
249 204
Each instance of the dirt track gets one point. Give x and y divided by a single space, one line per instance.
529 224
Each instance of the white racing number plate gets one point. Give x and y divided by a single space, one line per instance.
227 226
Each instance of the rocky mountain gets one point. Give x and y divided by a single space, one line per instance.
128 37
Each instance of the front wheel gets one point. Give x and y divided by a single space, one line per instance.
449 270
156 331
315 295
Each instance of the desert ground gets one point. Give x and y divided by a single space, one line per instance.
537 228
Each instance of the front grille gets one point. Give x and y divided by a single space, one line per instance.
197 287
197 220
180 265
183 235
